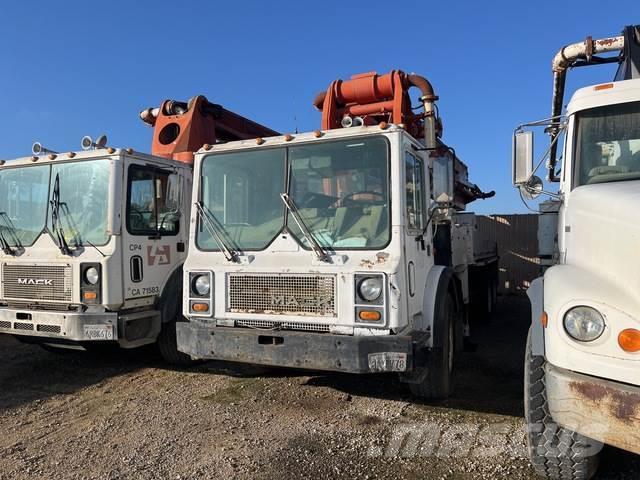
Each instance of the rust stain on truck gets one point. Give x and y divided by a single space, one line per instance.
624 406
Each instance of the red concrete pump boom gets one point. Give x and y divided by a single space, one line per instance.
371 99
181 128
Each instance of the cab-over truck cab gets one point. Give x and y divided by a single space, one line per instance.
92 245
317 250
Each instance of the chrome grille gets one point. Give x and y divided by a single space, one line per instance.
311 295
37 282
268 325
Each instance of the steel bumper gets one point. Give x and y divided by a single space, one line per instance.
308 350
69 326
602 410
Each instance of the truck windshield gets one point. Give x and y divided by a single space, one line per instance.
24 198
240 194
25 193
340 190
84 194
608 144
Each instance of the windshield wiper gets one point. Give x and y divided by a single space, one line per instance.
8 224
55 218
210 223
320 252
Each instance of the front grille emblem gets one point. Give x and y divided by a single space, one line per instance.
35 281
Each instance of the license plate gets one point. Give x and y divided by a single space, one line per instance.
98 332
388 362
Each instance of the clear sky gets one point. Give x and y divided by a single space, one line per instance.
79 68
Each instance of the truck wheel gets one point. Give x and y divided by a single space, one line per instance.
438 383
555 452
168 346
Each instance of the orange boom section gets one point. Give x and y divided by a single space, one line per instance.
181 128
370 99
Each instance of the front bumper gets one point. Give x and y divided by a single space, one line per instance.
602 410
70 326
294 349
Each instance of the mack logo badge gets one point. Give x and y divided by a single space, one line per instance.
291 301
35 281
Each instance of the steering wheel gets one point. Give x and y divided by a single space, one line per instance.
352 197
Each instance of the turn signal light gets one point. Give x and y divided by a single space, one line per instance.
369 315
200 307
89 295
544 319
629 340
604 86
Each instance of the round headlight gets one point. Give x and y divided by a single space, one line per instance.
91 275
584 324
370 289
201 285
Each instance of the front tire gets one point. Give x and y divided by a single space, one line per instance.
168 346
555 452
438 383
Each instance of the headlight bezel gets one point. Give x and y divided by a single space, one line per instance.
572 329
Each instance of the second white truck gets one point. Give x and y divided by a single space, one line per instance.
343 249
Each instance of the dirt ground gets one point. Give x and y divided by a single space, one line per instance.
126 415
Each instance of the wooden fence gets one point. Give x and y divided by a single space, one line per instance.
517 239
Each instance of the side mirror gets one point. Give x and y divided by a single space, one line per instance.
522 161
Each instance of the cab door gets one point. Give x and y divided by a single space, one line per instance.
155 233
417 247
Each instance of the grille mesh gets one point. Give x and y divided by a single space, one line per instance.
48 328
23 326
311 295
268 325
4 324
37 282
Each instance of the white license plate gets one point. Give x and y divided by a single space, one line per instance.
388 362
98 332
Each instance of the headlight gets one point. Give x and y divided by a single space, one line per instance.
370 289
92 275
584 324
201 285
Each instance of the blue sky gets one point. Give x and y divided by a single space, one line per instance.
83 68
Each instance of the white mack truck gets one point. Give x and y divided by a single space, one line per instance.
582 367
344 249
92 242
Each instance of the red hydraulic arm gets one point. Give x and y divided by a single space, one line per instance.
181 128
373 98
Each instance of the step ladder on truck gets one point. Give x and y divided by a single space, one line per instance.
582 367
93 241
343 249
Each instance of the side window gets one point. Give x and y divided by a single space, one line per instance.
414 188
153 201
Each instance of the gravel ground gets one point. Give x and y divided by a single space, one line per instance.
126 415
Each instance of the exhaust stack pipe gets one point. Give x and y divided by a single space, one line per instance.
574 55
